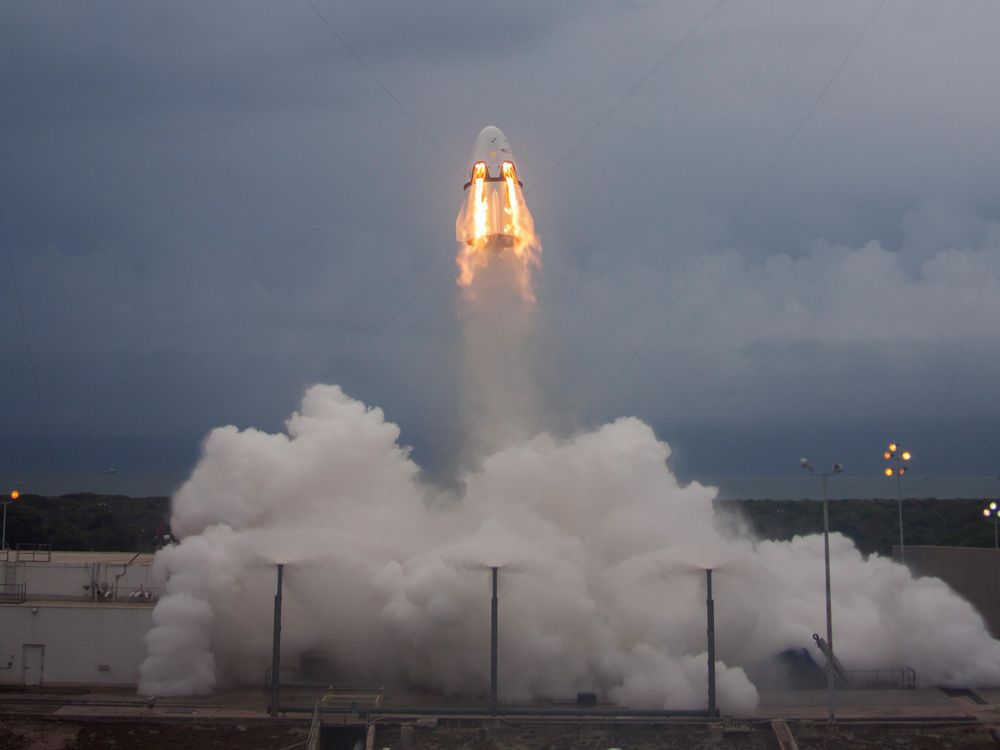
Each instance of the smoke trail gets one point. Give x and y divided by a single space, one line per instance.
498 252
498 398
600 588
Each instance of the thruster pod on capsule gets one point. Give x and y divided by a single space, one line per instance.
493 193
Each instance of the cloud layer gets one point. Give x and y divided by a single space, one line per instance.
224 226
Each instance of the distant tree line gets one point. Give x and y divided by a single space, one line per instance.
872 524
118 523
84 521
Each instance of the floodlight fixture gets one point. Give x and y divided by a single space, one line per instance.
993 510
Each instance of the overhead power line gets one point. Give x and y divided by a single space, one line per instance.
753 194
369 71
604 118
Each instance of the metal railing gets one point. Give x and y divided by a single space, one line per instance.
904 678
34 552
312 742
13 593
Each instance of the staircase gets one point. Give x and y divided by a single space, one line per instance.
11 592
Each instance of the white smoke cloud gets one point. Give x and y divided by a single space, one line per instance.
601 585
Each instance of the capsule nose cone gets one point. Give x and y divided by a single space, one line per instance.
491 147
492 134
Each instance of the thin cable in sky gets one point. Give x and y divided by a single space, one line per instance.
409 115
753 194
399 104
663 381
399 311
925 459
29 354
628 93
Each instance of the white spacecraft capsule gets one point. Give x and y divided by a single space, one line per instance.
492 214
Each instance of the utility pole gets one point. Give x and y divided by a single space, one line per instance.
276 646
829 606
897 458
14 495
494 605
710 610
806 464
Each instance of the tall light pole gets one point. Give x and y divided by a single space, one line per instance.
993 510
14 495
494 612
276 645
897 458
710 617
806 464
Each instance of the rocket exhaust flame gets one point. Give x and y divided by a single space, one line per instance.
494 220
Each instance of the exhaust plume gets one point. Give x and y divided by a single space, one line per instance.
601 550
498 251
601 587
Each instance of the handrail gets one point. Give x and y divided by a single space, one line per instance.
312 741
13 593
34 552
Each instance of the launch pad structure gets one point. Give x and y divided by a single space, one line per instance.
84 615
586 707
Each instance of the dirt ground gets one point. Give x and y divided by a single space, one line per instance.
573 738
22 734
968 737
759 737
755 737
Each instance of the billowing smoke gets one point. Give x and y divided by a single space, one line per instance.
602 552
601 584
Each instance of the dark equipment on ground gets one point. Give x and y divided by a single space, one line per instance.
886 678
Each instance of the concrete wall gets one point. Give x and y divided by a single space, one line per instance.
84 643
974 572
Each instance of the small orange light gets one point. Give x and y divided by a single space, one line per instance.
986 512
892 447
902 470
907 455
887 455
15 495
888 472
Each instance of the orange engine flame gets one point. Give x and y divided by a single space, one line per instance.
494 221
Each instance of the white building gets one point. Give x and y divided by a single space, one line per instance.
74 618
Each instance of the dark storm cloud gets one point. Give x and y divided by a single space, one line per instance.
212 205
451 29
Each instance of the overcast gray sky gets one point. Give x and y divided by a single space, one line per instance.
209 205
